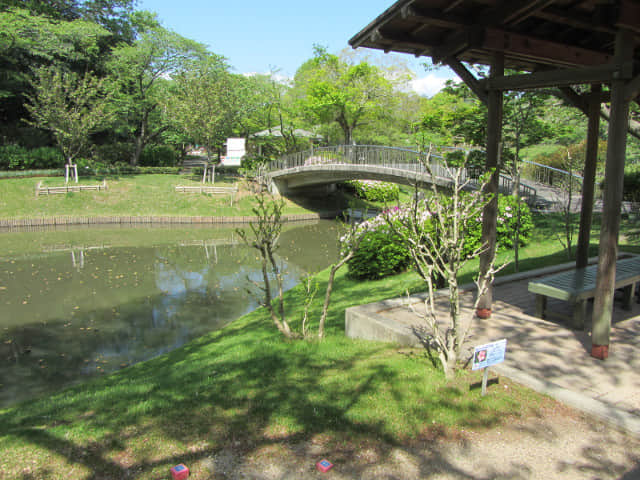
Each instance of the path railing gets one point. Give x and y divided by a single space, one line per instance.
389 157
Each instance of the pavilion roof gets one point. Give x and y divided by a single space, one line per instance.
533 35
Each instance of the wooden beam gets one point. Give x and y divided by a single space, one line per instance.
629 16
612 201
542 51
513 12
468 78
554 78
433 17
457 43
575 20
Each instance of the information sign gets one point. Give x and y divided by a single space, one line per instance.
489 354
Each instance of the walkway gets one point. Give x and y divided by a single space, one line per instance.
541 354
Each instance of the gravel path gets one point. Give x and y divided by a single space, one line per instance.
558 444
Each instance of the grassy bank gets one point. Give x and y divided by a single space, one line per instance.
139 195
244 388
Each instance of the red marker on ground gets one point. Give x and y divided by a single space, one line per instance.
179 472
324 465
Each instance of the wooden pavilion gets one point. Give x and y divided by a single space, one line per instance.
560 44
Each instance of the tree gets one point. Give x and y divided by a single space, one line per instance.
454 115
330 89
433 231
70 107
205 103
139 70
522 126
29 40
266 232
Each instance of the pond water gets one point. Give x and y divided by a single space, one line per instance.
80 303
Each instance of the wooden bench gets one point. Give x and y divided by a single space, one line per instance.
577 286
209 190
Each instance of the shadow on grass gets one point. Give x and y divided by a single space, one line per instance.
245 387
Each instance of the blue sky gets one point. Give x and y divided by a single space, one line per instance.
262 36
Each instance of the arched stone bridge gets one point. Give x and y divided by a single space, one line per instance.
302 172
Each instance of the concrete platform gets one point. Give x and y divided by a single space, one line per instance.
543 355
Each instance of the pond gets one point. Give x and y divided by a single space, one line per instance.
79 303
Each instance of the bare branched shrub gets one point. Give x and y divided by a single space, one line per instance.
266 232
434 230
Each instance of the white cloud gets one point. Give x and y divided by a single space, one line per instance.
430 85
283 79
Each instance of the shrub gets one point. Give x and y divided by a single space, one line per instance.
15 157
113 152
379 255
382 253
631 190
31 173
92 167
158 156
374 191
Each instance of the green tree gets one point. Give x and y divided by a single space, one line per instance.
139 70
330 89
454 115
205 103
29 40
70 107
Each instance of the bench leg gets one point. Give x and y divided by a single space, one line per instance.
579 314
627 296
541 305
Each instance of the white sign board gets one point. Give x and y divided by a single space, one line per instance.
489 354
235 151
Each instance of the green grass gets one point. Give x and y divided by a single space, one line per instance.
138 195
244 387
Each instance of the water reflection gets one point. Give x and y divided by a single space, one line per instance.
71 312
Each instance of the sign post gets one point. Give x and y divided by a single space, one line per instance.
487 355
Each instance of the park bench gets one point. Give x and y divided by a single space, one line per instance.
211 190
577 286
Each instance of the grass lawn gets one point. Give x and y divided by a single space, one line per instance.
244 387
138 195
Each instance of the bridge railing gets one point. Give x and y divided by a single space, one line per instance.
389 157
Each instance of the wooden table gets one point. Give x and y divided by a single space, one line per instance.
578 285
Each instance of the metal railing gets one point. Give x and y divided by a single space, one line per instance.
390 157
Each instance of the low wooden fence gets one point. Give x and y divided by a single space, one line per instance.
40 190
231 191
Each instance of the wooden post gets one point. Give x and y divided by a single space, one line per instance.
612 201
589 180
490 214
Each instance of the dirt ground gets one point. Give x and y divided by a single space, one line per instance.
557 444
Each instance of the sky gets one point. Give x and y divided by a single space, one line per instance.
258 36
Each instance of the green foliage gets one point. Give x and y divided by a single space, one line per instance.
70 107
158 156
332 89
31 173
632 183
112 152
379 255
382 252
15 157
374 191
96 168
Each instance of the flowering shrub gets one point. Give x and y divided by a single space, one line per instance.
382 252
375 191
